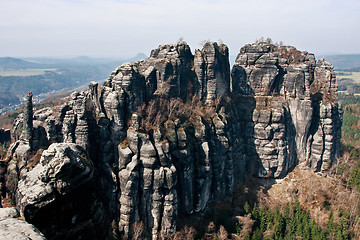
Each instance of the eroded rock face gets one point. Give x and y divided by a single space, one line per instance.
12 228
291 91
61 195
27 134
169 134
212 71
9 212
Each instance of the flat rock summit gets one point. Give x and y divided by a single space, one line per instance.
167 135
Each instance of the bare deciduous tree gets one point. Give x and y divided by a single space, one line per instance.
188 232
222 234
246 224
138 230
185 233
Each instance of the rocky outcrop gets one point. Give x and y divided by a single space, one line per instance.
18 153
60 195
167 135
27 130
212 69
9 212
291 92
11 228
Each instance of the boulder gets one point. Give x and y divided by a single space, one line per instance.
61 195
14 229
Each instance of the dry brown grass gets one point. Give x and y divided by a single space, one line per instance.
157 111
291 54
124 144
185 233
7 202
320 194
35 159
7 119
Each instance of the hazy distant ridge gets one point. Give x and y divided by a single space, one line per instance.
344 61
69 74
8 63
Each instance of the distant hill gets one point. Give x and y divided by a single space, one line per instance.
8 63
83 61
344 61
138 57
69 74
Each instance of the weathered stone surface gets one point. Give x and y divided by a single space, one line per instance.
14 229
65 180
27 134
11 228
171 133
290 88
9 212
212 71
18 152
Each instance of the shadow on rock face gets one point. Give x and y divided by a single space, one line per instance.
60 196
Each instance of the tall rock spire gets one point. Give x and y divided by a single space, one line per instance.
27 132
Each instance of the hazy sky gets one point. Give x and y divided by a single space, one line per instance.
122 28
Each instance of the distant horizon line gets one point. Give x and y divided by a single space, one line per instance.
117 57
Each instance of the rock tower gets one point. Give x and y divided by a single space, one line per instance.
167 135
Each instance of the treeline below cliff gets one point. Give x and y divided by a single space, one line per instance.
304 205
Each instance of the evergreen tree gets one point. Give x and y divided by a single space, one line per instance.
330 228
255 212
263 219
247 207
257 235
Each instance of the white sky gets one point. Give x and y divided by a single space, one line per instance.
123 28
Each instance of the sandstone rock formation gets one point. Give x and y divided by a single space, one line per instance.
27 131
60 195
293 95
12 228
167 135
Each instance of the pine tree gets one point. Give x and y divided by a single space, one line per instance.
330 228
255 212
279 222
263 219
257 235
247 207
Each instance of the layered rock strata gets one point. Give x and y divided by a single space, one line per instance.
294 95
169 134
